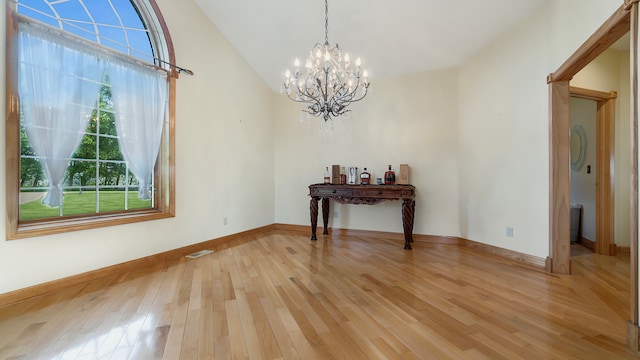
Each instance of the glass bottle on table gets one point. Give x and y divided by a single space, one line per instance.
343 177
389 177
365 177
327 176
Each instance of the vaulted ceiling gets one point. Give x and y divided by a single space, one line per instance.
391 37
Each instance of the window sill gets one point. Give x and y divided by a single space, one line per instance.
41 228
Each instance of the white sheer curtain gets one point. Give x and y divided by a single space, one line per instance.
58 87
139 96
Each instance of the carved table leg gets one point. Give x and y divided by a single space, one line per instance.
313 207
325 215
408 210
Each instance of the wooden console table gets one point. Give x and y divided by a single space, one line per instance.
363 194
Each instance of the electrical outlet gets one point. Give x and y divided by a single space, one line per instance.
336 214
509 231
224 221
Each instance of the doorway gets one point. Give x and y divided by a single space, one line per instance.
592 174
559 190
624 20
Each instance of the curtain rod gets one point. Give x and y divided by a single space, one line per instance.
180 69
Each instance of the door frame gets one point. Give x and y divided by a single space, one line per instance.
623 20
605 154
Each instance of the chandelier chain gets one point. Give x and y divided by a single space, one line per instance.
326 21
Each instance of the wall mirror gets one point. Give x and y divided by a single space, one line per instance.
578 142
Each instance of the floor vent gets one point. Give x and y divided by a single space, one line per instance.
199 253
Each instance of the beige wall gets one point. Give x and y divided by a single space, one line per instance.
504 125
224 166
410 119
504 156
568 24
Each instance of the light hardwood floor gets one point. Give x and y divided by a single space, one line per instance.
281 296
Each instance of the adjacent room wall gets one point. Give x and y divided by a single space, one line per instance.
623 165
583 180
224 166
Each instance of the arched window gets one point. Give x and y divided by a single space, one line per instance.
90 101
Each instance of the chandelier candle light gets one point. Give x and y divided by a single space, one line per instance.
330 82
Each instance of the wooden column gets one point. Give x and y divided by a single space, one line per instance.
604 175
559 185
633 332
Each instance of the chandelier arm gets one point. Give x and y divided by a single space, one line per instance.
344 101
337 98
338 107
321 99
354 92
342 87
326 85
348 97
360 98
302 93
296 100
312 113
366 89
303 97
354 99
310 99
306 98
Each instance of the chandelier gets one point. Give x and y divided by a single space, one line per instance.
329 81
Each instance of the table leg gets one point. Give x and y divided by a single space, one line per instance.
325 215
313 207
408 210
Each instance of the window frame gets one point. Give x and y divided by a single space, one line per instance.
164 173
